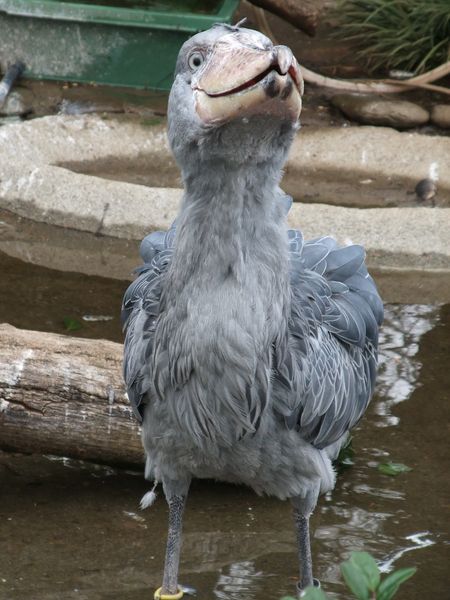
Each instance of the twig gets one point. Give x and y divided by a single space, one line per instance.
381 86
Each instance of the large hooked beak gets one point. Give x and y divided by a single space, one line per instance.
242 77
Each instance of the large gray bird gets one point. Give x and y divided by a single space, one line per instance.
249 352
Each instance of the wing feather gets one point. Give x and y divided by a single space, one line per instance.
326 378
140 310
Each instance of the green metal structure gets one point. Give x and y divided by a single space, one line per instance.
116 42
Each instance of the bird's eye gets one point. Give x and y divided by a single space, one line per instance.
195 60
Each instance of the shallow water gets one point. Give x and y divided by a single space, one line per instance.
73 530
39 298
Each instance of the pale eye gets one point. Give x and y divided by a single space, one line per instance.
195 60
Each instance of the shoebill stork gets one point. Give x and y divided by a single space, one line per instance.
249 352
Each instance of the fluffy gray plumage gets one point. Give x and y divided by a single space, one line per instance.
249 353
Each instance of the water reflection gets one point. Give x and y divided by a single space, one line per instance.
355 529
419 541
399 367
243 580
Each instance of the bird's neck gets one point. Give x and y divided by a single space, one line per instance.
239 183
227 217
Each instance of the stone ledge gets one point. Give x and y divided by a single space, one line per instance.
34 184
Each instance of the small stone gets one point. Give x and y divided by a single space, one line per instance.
440 115
373 110
426 190
17 103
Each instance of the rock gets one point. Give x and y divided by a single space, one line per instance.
440 115
18 103
426 190
407 238
374 110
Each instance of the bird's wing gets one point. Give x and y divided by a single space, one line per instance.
326 370
140 310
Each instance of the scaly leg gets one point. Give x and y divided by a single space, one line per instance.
170 578
304 549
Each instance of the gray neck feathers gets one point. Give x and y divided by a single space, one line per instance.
226 216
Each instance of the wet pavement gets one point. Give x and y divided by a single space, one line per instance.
71 530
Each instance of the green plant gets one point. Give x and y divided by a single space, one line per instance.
397 34
393 469
72 324
345 459
362 576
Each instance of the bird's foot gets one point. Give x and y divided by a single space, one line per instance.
301 591
182 590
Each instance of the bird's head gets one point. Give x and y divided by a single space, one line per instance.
236 99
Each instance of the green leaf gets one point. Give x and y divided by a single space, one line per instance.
345 458
314 593
393 469
390 585
355 580
71 324
368 567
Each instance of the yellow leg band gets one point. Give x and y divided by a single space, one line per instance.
159 596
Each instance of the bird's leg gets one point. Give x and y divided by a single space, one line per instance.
170 579
304 549
303 508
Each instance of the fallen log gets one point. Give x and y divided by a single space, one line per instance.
65 396
303 14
